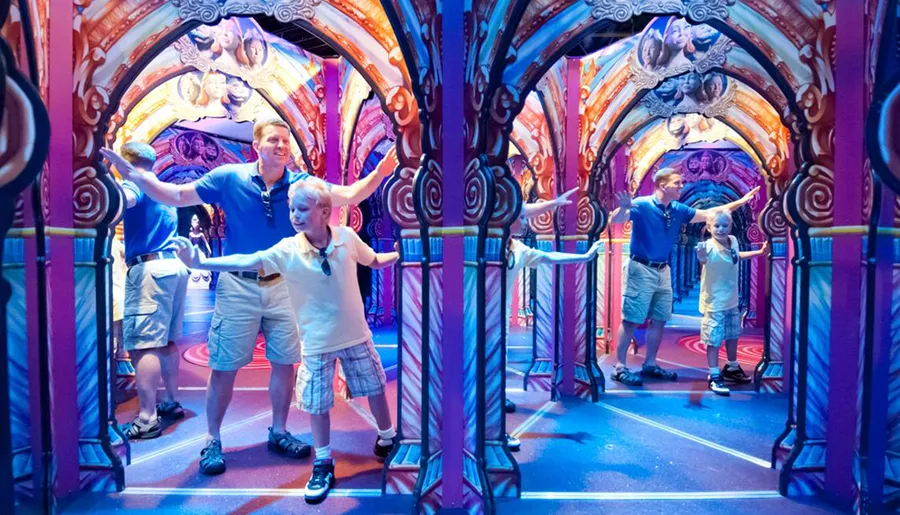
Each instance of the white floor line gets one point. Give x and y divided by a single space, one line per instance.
532 420
675 392
651 496
198 439
247 492
374 492
515 371
687 436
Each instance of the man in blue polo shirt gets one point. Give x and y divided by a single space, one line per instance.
155 286
254 199
656 220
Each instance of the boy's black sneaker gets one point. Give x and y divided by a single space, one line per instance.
320 482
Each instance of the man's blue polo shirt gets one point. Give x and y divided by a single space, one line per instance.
149 225
238 189
650 238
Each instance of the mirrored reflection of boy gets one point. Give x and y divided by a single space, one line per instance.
520 256
719 281
319 263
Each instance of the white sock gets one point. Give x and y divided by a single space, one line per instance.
620 366
323 453
714 371
732 364
386 436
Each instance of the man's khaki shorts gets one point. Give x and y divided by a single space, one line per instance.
647 294
243 307
154 304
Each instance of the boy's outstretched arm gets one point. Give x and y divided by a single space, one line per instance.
565 258
191 256
385 259
753 253
542 206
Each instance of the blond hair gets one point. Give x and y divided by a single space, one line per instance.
718 213
261 126
313 190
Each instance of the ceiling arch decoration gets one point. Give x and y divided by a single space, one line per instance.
371 130
114 41
355 92
791 41
733 167
660 137
744 110
166 105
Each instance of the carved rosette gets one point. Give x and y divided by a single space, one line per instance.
814 197
507 196
475 192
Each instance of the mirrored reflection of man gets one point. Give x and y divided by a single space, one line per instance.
657 221
253 197
155 287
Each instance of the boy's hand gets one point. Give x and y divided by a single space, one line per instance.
563 200
188 253
749 196
125 169
765 247
595 248
624 200
701 253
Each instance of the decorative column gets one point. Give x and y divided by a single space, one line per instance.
76 414
841 377
580 374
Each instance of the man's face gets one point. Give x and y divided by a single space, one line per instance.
306 215
672 187
273 145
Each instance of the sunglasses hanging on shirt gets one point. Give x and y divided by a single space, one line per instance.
267 204
326 267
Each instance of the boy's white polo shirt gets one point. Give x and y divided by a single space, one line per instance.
330 312
720 277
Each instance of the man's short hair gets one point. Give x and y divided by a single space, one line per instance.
140 154
312 189
663 174
261 126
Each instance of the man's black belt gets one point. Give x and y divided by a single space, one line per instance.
254 276
143 258
659 265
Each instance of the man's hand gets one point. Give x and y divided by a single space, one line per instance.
188 253
765 247
624 200
701 253
125 169
595 248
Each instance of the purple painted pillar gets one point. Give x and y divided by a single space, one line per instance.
61 271
570 291
850 92
451 156
333 126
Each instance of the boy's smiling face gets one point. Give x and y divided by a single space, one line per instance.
306 215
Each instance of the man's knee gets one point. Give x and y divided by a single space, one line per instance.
657 324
